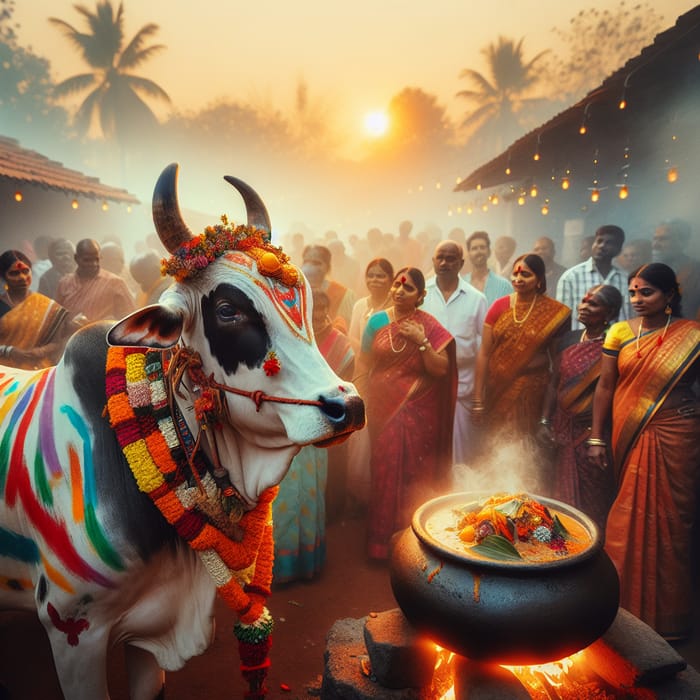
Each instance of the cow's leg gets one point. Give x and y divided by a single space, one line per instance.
146 678
81 668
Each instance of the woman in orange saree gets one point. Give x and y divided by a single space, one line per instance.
648 381
33 328
513 365
411 396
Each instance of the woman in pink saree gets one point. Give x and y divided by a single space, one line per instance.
410 407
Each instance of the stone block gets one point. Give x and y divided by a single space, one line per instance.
343 676
632 654
399 656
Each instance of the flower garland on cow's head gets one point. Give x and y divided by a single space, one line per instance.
197 253
236 547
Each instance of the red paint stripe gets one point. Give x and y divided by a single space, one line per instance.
56 536
17 463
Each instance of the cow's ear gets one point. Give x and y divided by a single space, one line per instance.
157 326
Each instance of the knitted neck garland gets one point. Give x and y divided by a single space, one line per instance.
236 549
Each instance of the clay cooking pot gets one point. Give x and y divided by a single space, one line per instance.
516 613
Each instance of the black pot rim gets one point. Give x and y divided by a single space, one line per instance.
467 498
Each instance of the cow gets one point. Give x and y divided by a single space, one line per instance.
137 475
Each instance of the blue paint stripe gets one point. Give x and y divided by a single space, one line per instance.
18 547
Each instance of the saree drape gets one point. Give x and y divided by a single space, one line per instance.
33 323
410 418
576 481
514 392
657 453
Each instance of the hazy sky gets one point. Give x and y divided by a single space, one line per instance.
356 55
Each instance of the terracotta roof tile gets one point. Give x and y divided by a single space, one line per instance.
17 163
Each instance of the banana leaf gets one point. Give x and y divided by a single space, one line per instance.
497 547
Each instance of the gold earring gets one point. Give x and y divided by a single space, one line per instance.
668 310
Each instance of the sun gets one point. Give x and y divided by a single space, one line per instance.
376 123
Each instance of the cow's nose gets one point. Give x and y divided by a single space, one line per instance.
343 412
333 409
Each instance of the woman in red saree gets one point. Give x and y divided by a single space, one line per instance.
33 328
520 333
410 408
648 382
568 407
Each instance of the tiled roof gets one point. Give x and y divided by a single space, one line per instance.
22 165
663 69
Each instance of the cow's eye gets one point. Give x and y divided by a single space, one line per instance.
229 312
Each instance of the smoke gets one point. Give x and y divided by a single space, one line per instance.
510 466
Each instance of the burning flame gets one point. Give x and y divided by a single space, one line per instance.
534 678
553 672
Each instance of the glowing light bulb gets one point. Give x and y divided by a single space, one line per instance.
565 184
544 210
521 200
18 196
105 206
533 191
622 104
494 199
582 129
478 187
595 194
536 156
672 174
508 170
74 204
484 207
624 192
469 210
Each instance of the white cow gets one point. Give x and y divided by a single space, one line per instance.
113 464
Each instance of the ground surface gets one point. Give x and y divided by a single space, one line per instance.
304 612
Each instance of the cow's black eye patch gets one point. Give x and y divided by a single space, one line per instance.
235 330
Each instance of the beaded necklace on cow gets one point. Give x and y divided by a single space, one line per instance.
235 546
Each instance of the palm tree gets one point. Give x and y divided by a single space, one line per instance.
115 92
500 99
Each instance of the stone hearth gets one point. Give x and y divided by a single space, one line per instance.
381 656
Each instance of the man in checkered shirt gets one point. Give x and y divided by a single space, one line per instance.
598 269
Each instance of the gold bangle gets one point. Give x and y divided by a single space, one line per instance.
596 442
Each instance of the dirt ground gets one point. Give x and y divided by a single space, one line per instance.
349 586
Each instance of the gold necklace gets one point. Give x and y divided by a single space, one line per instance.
391 339
391 342
659 340
521 321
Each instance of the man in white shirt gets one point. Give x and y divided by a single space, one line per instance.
460 309
598 269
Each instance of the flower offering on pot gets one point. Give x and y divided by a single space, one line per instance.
517 527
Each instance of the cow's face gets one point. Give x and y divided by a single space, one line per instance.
254 334
242 306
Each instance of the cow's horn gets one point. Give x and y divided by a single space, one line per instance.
255 209
170 226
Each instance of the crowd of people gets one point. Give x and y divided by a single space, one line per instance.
589 370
